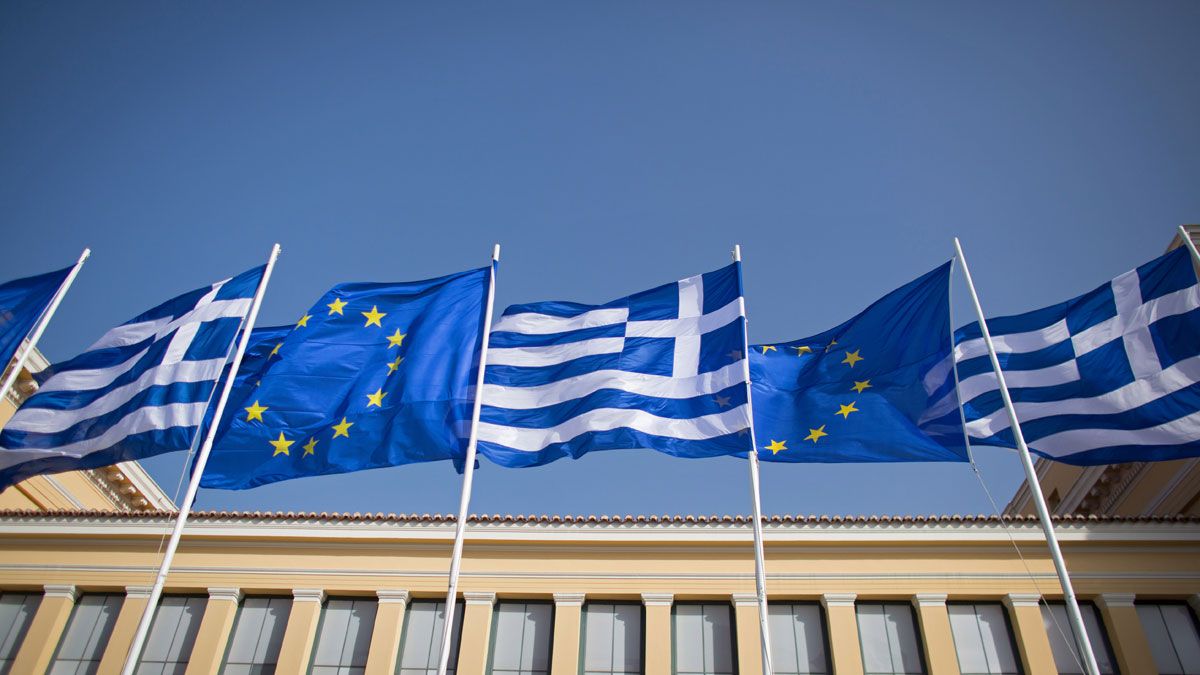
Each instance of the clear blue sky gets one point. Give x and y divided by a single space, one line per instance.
609 147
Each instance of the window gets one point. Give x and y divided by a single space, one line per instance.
172 633
1171 631
797 639
344 637
703 636
982 639
421 643
888 634
612 639
257 636
87 632
521 638
1062 640
16 611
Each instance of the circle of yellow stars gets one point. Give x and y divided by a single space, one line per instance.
374 317
777 446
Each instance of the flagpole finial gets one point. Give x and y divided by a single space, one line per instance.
496 253
87 252
737 252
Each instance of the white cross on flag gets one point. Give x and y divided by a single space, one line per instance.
662 369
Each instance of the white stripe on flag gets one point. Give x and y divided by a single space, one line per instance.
691 325
50 420
1176 432
550 355
532 323
606 419
139 421
569 389
1060 373
1015 343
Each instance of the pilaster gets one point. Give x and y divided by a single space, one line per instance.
845 652
1125 632
933 619
385 638
113 660
45 630
296 649
749 633
476 633
219 614
657 658
1030 632
568 610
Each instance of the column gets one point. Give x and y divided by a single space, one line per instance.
476 633
568 608
1030 632
657 658
296 649
749 633
934 622
845 652
1125 633
45 630
215 628
385 638
136 598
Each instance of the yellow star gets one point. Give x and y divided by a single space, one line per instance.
395 364
776 446
310 448
303 322
336 306
814 434
281 445
395 339
852 357
342 429
802 349
255 412
376 399
769 348
845 410
275 351
859 386
373 316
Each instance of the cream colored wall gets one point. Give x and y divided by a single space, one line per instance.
925 565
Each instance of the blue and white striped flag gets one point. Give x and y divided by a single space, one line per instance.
1111 376
140 390
663 369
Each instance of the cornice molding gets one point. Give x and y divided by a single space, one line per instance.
1013 600
138 592
929 599
480 598
308 595
569 599
388 596
60 591
658 599
744 599
838 600
233 595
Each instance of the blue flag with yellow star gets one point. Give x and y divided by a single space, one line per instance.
373 375
866 390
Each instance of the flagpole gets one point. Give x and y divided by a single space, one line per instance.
460 525
43 321
760 574
1191 245
1035 488
139 638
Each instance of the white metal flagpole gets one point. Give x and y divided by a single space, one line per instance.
36 335
1191 245
1035 488
460 525
760 574
139 638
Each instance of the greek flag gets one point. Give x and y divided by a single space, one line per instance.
1110 376
140 390
663 369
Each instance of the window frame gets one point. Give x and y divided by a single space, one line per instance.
457 629
62 636
238 617
1191 611
495 620
1104 630
204 610
316 641
733 643
1008 626
25 629
823 614
916 619
583 630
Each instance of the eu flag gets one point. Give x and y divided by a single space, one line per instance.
373 375
22 302
862 392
